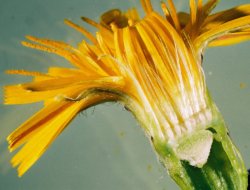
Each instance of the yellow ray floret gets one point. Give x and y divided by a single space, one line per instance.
222 30
40 130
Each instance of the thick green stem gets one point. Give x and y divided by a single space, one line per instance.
224 168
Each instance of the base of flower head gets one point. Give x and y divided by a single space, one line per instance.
223 169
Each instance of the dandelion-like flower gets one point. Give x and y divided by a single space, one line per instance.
153 66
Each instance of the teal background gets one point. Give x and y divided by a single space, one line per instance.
103 148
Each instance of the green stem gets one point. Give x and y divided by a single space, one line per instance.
223 170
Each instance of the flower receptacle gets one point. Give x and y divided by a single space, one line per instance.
206 159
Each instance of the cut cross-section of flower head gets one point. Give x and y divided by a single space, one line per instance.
153 66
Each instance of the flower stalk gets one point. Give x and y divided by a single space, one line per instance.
152 66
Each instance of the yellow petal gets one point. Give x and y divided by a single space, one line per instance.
173 14
193 11
25 131
132 14
16 94
27 73
42 129
208 7
54 84
230 39
42 138
70 87
217 19
221 30
69 72
147 6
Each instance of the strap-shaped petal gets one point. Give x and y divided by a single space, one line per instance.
231 38
40 131
221 30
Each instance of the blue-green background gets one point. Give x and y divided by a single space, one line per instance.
103 148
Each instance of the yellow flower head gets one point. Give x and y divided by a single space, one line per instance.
153 66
